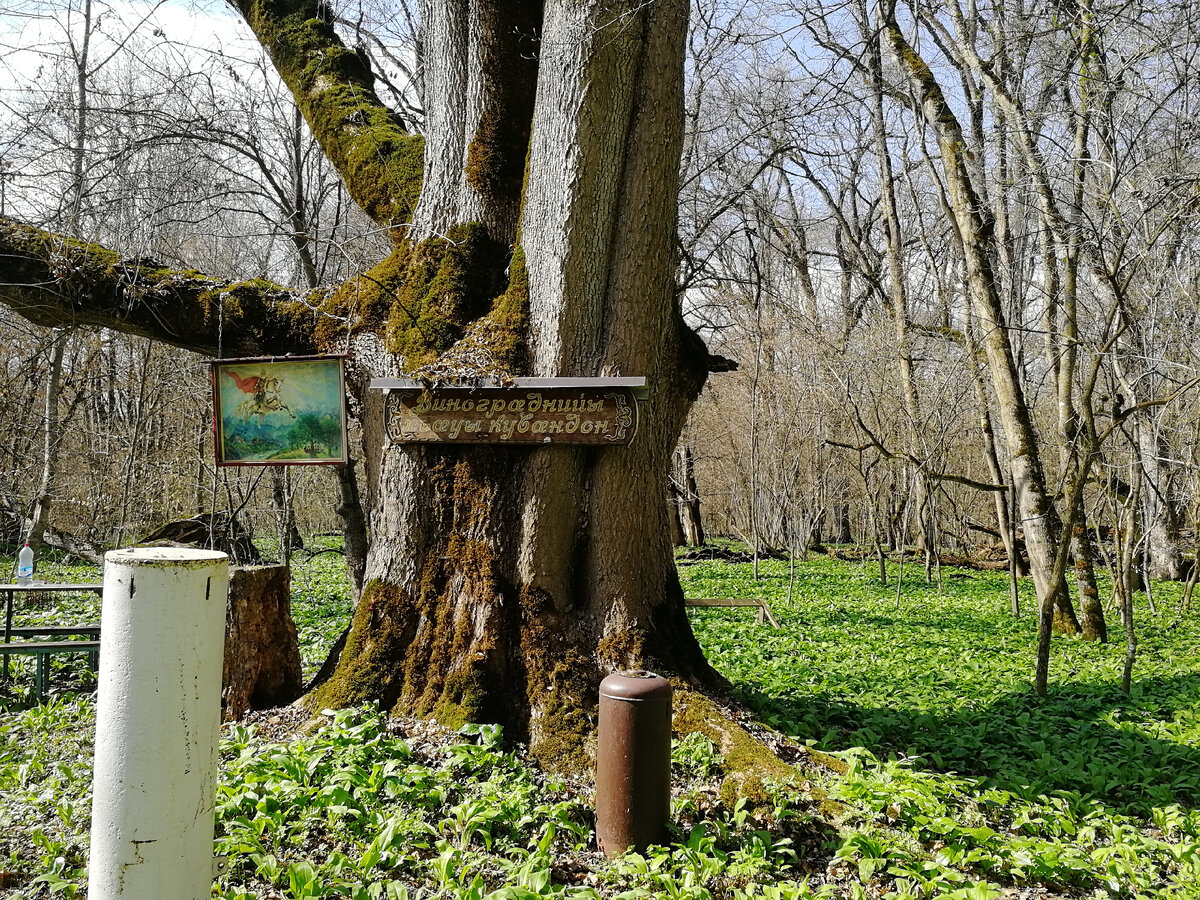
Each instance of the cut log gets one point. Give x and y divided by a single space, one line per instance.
262 654
214 531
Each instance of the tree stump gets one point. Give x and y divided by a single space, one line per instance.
262 654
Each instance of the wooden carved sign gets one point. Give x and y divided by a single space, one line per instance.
529 411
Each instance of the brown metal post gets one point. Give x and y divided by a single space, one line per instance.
633 761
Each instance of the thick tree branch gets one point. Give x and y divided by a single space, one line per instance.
333 86
53 280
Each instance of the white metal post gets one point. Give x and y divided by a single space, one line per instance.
162 638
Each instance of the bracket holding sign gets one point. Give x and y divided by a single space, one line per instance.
599 411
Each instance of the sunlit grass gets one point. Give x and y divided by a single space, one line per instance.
943 674
961 785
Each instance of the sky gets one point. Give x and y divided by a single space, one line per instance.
32 33
36 65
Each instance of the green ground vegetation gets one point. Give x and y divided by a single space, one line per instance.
958 781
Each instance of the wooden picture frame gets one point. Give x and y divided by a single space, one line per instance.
280 411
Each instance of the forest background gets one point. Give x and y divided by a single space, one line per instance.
952 251
908 226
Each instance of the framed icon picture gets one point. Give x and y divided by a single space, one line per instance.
279 412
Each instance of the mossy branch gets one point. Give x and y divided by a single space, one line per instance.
53 280
380 163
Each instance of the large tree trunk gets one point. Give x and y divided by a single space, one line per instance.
503 583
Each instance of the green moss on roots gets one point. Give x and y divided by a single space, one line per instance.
747 762
749 765
460 596
566 683
438 651
385 619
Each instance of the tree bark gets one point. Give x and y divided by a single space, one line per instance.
354 524
262 652
690 520
674 522
1061 358
1062 347
1164 558
1004 524
290 538
51 434
1039 520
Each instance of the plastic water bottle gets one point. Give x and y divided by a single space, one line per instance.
25 565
